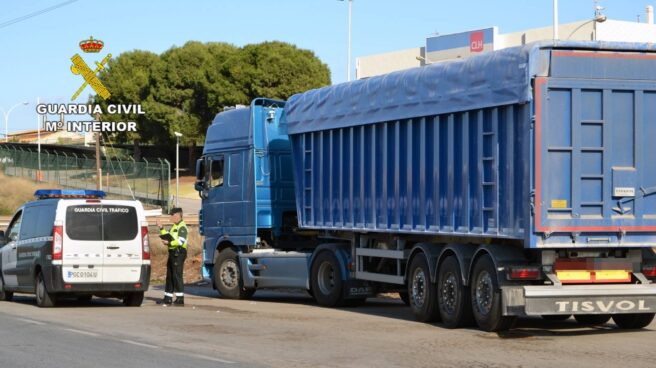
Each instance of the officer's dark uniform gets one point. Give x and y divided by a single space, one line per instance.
175 263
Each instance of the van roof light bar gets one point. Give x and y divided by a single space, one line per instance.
69 193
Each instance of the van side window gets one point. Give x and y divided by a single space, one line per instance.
216 173
14 227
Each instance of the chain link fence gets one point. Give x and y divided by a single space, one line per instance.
148 180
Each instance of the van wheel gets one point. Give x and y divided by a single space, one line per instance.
453 298
486 297
633 321
133 299
5 296
422 292
592 319
44 299
327 280
227 276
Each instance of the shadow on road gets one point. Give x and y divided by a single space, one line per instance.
529 327
70 303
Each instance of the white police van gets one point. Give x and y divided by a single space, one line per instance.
74 244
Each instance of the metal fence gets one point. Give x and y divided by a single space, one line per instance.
147 181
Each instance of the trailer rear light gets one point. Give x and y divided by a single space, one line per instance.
524 273
649 271
593 270
145 244
57 241
68 286
137 286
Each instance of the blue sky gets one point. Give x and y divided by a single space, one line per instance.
35 54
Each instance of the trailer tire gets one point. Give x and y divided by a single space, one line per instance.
5 296
327 280
592 319
227 276
453 297
633 321
422 292
486 297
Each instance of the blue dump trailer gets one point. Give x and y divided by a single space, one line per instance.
518 182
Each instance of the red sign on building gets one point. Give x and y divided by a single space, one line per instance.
476 41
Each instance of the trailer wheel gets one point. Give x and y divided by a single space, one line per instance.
327 280
486 297
592 319
5 296
453 297
227 276
633 321
422 292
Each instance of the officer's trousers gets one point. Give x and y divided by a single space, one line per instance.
174 270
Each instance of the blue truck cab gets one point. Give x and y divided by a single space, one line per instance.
248 216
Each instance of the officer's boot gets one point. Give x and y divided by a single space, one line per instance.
167 300
179 302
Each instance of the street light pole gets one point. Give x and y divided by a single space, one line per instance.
177 166
555 20
348 56
6 114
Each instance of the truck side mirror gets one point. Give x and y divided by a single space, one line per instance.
3 241
199 185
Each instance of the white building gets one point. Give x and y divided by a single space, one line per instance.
464 44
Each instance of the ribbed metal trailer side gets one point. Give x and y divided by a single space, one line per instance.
463 173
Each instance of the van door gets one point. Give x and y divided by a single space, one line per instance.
83 253
121 238
10 251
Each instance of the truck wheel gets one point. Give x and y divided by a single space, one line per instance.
633 321
453 297
327 280
44 299
422 292
227 276
556 317
133 299
405 298
5 296
592 319
486 297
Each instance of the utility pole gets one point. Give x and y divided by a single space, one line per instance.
98 169
555 20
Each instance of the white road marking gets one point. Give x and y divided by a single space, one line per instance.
31 321
218 360
82 332
140 344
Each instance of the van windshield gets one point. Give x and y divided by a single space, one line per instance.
101 222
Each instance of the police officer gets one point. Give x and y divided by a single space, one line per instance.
177 255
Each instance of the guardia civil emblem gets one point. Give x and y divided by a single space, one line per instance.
80 67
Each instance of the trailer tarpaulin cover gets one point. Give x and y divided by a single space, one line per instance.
491 79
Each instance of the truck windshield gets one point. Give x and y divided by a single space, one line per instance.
101 222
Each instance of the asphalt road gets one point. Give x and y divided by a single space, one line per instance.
289 330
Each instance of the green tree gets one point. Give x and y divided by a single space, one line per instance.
183 88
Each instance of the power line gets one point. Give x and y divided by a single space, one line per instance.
31 15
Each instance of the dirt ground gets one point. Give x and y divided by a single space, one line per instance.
159 254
